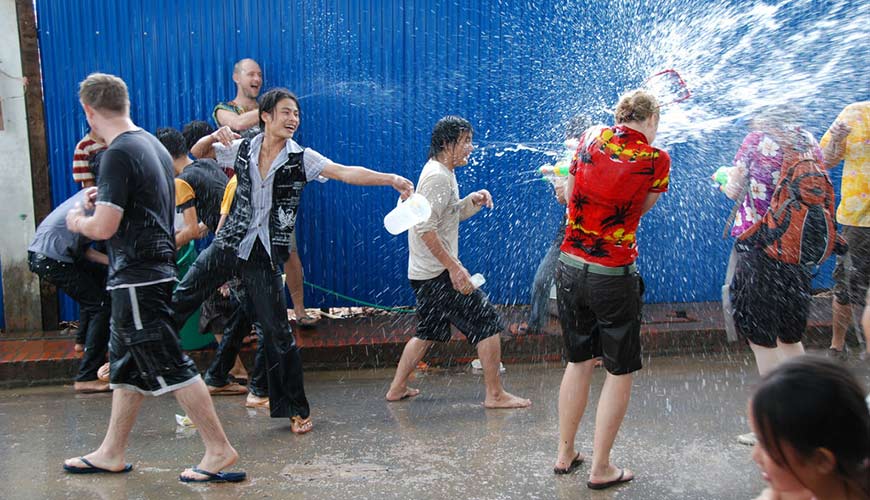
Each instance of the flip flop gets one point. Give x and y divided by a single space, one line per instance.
257 404
212 477
93 469
571 468
297 422
307 321
608 484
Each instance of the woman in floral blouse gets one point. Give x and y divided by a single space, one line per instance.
771 299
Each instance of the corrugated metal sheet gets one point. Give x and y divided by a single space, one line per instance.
373 77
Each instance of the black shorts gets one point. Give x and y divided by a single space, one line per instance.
144 351
600 316
439 305
771 299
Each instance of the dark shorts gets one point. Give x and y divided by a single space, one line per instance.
439 305
771 300
600 317
852 273
144 350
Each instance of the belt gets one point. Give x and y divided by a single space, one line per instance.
598 269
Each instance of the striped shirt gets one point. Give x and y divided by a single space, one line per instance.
85 150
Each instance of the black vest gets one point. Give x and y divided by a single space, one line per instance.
287 184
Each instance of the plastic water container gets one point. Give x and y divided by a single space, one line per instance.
407 214
477 280
226 156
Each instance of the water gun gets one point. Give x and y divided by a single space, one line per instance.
720 177
549 172
552 172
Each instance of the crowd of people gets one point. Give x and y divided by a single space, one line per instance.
113 247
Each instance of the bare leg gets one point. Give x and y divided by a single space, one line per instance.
219 454
787 351
612 405
842 317
573 395
111 453
413 353
766 358
489 352
295 283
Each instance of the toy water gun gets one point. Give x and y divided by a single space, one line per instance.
552 172
720 177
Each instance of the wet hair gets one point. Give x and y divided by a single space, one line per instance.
105 93
194 131
173 141
447 131
271 98
636 106
576 126
810 402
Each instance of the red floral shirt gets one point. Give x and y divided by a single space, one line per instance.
613 173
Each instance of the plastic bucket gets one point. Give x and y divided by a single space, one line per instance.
408 213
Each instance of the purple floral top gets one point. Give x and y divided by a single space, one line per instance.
761 155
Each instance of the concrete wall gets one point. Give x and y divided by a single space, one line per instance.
21 302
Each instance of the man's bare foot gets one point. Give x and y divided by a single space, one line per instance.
91 386
213 462
112 464
238 371
611 477
400 394
506 400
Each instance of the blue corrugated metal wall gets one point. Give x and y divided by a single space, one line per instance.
373 77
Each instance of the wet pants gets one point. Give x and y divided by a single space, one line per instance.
85 282
262 281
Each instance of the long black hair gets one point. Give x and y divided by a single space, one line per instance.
447 131
810 403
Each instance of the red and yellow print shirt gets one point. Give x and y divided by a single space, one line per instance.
613 174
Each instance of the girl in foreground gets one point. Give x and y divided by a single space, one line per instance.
813 429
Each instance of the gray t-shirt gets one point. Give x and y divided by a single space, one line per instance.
54 240
438 184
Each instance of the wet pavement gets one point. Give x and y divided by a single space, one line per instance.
678 437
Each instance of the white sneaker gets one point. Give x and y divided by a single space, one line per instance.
748 439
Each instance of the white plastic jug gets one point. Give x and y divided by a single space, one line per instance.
408 213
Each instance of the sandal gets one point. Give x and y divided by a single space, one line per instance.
300 425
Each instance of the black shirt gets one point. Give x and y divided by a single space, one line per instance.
201 184
136 177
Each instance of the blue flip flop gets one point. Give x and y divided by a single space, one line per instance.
211 477
93 469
